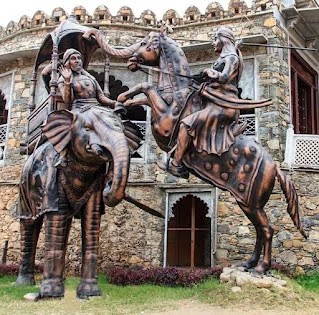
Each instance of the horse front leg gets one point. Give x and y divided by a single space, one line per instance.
137 89
90 223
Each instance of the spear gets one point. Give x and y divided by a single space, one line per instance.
242 43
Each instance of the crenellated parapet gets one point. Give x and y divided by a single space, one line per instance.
125 16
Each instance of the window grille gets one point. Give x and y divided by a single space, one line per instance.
306 151
140 153
3 136
251 124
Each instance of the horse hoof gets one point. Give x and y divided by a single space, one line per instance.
88 288
25 279
51 289
249 264
262 268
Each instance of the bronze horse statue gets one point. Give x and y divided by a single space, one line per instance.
246 170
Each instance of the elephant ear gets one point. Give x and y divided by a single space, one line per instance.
57 129
133 135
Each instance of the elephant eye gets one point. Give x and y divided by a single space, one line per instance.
88 127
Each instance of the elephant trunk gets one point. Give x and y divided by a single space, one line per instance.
114 189
100 38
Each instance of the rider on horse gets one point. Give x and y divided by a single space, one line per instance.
213 129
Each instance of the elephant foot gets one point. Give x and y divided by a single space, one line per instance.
262 268
249 264
88 288
52 288
25 279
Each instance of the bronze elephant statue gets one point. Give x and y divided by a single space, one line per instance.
98 147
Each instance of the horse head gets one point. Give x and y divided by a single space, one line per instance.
148 53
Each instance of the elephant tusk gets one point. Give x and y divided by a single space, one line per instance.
96 149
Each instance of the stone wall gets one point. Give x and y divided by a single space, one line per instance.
129 235
236 235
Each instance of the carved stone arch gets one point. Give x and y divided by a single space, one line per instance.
24 22
148 18
39 19
125 15
237 7
190 227
81 14
214 11
205 198
101 14
192 14
58 15
12 27
171 17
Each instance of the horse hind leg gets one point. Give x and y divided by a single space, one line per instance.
264 234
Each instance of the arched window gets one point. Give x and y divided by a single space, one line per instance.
136 114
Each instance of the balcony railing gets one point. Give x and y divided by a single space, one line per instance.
301 150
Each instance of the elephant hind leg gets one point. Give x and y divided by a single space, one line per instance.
29 231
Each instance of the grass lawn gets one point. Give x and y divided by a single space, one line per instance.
147 298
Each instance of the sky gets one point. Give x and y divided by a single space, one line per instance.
14 9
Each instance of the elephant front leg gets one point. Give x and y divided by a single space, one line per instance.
91 218
57 227
29 231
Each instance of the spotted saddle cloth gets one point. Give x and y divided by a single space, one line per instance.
235 170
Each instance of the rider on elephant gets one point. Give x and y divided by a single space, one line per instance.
79 88
213 129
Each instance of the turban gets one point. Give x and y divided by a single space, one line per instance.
226 32
68 53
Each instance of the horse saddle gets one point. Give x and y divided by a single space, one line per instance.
235 170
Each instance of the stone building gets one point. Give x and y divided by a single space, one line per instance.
203 225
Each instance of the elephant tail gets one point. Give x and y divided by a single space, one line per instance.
289 190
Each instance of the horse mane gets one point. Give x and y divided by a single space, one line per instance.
174 60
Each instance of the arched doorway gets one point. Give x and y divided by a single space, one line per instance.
189 234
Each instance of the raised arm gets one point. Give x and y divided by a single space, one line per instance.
64 85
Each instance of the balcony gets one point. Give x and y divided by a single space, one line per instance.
301 150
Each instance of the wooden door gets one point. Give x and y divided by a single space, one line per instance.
189 234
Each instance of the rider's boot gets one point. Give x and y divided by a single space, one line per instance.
178 170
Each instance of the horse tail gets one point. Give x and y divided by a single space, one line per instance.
292 199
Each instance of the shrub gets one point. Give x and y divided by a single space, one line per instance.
13 270
282 268
170 276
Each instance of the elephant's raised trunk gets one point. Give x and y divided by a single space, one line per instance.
100 38
115 185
